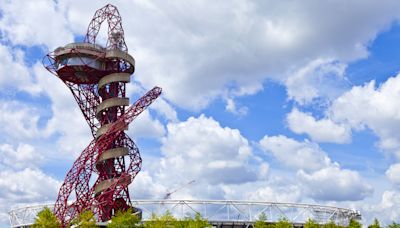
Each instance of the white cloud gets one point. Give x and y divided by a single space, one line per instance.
145 126
391 204
21 181
217 158
34 23
18 120
145 187
279 193
376 108
24 156
196 84
201 149
231 106
165 109
323 130
261 40
318 79
393 173
27 185
264 171
278 187
335 184
196 56
245 89
320 178
14 74
161 105
61 119
23 187
67 121
387 209
293 154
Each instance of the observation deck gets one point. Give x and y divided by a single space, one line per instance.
86 63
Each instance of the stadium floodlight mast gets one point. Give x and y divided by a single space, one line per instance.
97 78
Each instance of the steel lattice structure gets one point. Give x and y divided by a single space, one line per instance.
97 78
227 213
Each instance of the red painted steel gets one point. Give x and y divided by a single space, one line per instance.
80 66
115 30
78 177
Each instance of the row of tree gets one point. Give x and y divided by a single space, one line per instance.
86 219
262 222
284 223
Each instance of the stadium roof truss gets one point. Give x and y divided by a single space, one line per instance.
219 211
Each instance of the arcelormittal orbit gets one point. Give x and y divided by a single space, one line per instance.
97 78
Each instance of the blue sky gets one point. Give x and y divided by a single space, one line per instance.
273 101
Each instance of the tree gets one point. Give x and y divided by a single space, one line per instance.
283 223
330 224
85 219
169 221
261 221
394 225
375 224
164 221
354 224
196 222
124 219
311 224
46 218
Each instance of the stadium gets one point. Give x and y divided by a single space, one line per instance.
219 213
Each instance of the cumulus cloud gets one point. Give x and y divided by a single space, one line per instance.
390 204
386 208
318 79
293 154
322 130
14 74
261 40
67 123
201 149
29 185
196 56
24 156
135 90
145 187
23 186
335 184
373 107
21 181
18 120
165 109
218 158
367 106
393 173
276 193
320 178
34 23
232 107
145 126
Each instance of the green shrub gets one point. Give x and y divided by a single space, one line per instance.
85 219
46 218
124 219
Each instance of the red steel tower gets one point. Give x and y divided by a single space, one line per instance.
97 78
